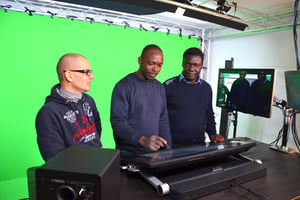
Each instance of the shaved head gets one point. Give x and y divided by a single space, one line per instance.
74 73
67 61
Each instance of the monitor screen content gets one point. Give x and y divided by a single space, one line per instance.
292 84
246 90
184 156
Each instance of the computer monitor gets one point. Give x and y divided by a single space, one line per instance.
292 83
246 90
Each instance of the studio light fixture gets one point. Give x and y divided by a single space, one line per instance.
210 15
179 7
190 11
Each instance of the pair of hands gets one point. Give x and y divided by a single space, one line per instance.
153 142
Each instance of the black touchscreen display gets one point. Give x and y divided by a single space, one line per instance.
186 155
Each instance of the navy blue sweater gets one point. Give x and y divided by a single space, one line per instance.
60 124
190 111
138 108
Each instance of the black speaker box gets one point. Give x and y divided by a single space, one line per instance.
80 173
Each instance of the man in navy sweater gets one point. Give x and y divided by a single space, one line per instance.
189 103
139 116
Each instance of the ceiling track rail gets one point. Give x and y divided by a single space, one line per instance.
91 14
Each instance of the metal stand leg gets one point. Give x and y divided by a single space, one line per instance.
161 188
233 115
286 122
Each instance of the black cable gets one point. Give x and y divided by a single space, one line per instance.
294 130
279 136
280 133
295 32
248 190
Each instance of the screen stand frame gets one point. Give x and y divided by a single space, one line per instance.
238 168
286 123
232 116
224 124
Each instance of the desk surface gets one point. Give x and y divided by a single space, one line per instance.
282 181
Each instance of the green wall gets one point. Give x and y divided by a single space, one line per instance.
29 50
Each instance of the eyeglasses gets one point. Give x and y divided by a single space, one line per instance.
85 71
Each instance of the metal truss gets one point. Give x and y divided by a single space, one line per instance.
183 26
92 14
258 22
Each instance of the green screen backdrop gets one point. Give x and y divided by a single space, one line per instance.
29 51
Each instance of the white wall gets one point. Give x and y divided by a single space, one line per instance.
265 50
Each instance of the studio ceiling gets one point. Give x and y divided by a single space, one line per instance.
180 16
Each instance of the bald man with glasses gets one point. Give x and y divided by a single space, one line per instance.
69 116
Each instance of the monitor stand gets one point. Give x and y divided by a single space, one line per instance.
284 149
202 179
286 123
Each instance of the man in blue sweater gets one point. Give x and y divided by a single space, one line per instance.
189 102
139 115
69 116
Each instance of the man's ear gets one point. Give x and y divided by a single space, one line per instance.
140 60
183 61
68 76
201 65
